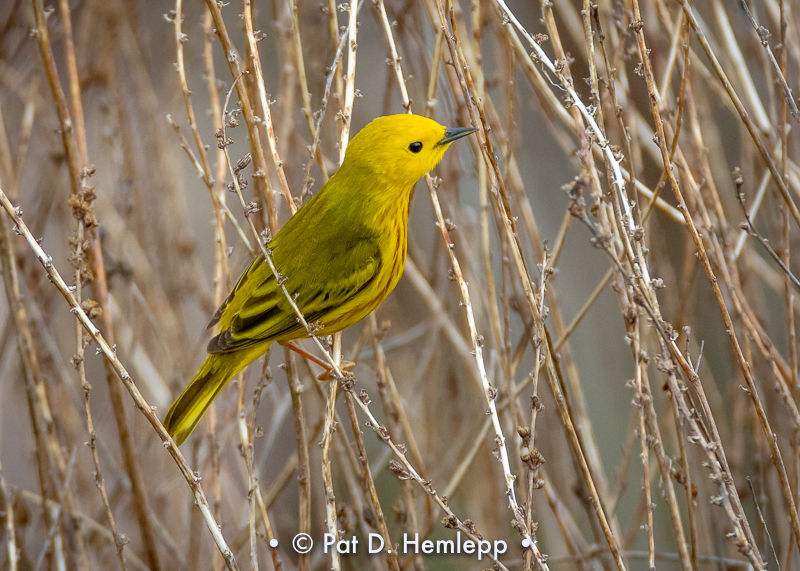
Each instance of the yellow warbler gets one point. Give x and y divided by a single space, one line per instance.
340 254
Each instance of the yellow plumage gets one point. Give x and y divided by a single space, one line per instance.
341 254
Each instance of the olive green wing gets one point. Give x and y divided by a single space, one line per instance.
323 281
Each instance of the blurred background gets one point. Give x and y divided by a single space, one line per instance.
132 200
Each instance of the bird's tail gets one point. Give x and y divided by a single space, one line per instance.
217 370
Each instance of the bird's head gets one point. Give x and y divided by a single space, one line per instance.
400 149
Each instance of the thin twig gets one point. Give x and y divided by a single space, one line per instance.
763 38
738 181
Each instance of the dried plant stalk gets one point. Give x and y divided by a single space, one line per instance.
539 340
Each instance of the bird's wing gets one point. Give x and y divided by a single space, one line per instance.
257 310
257 266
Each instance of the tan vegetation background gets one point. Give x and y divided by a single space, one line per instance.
626 395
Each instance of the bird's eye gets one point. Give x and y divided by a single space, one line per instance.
415 147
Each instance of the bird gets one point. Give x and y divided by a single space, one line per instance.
339 255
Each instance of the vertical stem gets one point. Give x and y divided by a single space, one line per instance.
331 522
645 456
303 461
346 114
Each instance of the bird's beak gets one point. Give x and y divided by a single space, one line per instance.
454 134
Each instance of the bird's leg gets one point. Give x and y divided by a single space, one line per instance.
346 366
302 352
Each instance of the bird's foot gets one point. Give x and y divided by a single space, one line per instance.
346 367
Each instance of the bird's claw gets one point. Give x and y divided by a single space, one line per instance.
345 367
